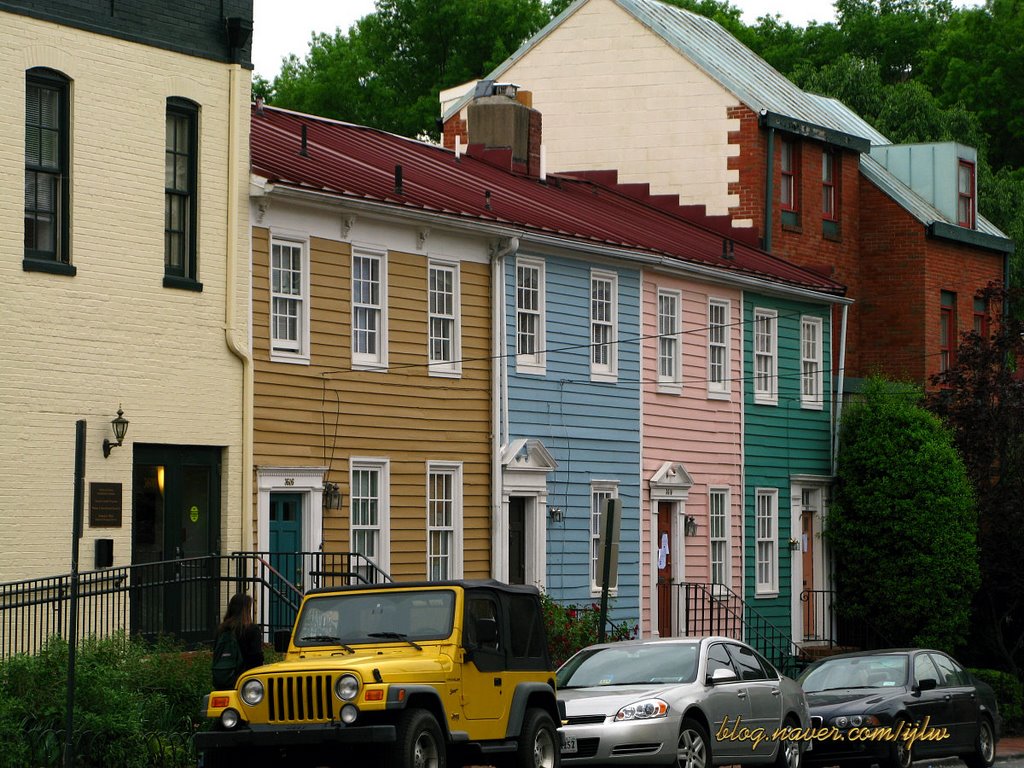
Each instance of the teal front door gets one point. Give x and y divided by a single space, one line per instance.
285 557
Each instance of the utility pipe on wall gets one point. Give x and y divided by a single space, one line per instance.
499 403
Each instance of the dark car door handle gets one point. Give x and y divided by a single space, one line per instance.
947 697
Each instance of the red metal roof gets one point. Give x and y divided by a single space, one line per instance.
357 162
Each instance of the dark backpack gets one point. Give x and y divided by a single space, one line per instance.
227 661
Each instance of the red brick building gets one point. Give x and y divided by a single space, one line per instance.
670 98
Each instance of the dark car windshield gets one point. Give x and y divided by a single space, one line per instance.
650 664
352 618
889 671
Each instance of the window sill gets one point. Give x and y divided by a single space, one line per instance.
713 395
291 358
184 283
604 377
531 369
766 595
765 400
812 405
794 228
438 369
669 388
51 267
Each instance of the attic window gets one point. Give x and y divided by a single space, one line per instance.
965 195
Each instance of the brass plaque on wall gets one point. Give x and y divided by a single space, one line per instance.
105 505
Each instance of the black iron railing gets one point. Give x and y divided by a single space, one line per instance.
825 625
714 609
183 598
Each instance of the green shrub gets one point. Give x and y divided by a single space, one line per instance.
135 703
1009 696
571 627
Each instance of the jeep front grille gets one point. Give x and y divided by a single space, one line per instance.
300 698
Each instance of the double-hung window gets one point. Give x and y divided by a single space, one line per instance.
444 521
789 188
766 521
830 192
718 524
369 321
369 523
669 342
947 331
603 321
981 324
529 315
47 172
289 312
965 194
718 347
811 363
600 493
765 356
443 321
180 208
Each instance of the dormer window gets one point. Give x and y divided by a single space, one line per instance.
965 195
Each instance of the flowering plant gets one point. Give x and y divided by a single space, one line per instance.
572 627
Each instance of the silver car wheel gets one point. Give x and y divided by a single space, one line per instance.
986 743
692 749
791 753
425 751
543 749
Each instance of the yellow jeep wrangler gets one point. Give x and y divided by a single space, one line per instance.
411 675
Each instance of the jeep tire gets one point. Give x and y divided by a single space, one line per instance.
419 742
539 745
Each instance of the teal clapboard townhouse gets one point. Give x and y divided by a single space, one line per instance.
788 469
573 382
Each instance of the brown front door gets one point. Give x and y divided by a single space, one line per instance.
807 545
666 594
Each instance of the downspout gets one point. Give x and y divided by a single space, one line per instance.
840 383
769 191
238 347
499 401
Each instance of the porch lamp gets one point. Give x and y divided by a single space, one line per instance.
120 425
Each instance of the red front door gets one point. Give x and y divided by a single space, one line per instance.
662 546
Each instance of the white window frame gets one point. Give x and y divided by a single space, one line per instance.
812 378
383 525
606 321
379 359
600 489
453 365
290 350
669 349
766 356
535 362
718 534
766 542
719 338
453 528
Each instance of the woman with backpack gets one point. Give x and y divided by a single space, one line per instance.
238 644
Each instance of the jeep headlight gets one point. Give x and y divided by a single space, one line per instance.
252 692
347 687
648 709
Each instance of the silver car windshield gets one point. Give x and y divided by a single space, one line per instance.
350 619
857 672
650 664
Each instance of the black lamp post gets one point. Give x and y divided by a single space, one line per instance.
120 425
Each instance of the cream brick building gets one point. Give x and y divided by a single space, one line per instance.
124 284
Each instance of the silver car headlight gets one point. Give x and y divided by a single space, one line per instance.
648 709
252 692
347 687
854 721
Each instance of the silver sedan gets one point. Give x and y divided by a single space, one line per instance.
685 702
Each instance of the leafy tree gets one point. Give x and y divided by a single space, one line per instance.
982 401
388 69
902 525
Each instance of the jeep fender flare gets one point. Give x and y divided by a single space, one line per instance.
424 697
540 695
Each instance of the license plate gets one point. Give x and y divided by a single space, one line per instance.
569 744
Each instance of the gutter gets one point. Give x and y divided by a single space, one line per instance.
840 384
499 403
232 332
651 260
769 191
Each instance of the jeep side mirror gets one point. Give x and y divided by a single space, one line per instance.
721 675
486 633
281 640
927 684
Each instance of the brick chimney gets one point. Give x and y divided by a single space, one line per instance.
499 126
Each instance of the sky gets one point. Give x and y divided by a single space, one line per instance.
281 27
